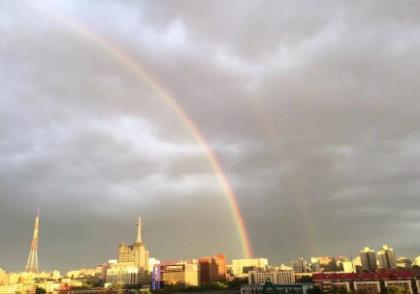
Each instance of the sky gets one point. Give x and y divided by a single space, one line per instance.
311 108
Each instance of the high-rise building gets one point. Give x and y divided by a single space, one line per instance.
348 266
135 253
368 259
387 258
133 262
417 261
32 263
212 269
300 265
241 267
326 263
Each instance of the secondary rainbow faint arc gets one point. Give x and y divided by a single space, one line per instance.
170 100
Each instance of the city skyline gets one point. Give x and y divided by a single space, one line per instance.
229 127
124 255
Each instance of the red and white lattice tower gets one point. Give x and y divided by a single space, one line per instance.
32 264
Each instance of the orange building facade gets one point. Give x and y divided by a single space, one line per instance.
212 269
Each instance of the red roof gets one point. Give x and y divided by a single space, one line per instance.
366 276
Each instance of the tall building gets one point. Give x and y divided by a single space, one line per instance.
357 264
135 253
241 267
348 266
368 259
300 265
417 261
387 258
212 269
132 266
32 263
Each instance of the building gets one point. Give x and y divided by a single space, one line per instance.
132 266
404 262
212 269
241 267
274 276
15 288
3 277
183 273
297 288
368 287
325 260
315 268
387 258
348 266
357 262
303 277
283 267
332 286
124 274
315 265
369 282
368 259
135 253
300 266
417 261
152 262
402 284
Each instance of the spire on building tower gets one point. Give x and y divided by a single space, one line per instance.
139 239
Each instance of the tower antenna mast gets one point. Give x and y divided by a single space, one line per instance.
32 264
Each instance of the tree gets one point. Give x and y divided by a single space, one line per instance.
40 290
315 290
339 291
397 290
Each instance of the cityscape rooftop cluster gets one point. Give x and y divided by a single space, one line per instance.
371 271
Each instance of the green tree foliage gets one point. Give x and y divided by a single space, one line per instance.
397 290
315 290
40 291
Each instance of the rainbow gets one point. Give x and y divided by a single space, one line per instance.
140 72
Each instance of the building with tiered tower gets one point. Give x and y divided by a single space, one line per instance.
132 265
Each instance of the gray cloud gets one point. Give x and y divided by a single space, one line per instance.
312 111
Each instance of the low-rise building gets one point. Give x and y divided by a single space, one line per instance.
128 274
183 273
402 284
17 288
274 276
297 288
241 267
368 287
371 282
404 262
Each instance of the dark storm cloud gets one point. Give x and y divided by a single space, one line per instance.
312 110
